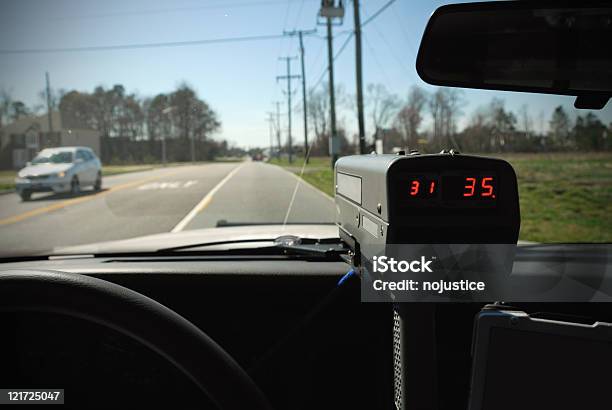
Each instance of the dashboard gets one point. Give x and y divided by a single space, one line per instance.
286 322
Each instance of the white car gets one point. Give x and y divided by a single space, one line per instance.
60 170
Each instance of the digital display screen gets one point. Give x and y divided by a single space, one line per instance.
456 187
421 187
468 187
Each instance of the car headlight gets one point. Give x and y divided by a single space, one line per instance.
61 174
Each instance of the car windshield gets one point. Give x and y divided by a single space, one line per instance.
53 157
200 115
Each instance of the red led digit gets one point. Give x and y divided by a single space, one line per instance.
487 188
471 183
432 186
414 187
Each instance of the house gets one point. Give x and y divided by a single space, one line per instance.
22 139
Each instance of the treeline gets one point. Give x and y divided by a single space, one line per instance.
178 117
431 122
132 127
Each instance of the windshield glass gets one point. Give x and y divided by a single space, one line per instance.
53 157
201 116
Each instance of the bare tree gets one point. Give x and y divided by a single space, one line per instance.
55 98
503 123
525 120
437 101
444 106
383 105
410 117
318 111
454 98
477 134
559 127
541 122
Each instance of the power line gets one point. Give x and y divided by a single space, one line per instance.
143 45
222 5
318 56
322 76
281 42
380 66
406 35
380 10
297 18
285 25
299 13
392 52
337 37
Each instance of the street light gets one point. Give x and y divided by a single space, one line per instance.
331 10
166 111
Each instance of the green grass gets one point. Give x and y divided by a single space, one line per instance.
318 172
7 180
564 197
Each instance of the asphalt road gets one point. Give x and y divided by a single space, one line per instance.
162 200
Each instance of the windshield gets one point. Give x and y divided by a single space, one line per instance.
53 157
201 115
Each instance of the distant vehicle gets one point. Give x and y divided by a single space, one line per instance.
257 157
60 170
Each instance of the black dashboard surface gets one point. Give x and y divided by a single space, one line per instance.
305 341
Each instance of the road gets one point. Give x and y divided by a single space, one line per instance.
168 199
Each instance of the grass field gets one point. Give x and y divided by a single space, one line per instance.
564 197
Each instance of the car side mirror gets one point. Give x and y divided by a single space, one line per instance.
78 161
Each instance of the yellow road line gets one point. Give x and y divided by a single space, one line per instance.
53 207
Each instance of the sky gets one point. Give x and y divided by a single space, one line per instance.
237 79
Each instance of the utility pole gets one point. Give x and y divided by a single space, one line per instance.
288 77
359 77
278 129
300 34
333 138
329 11
49 108
271 131
166 111
192 142
164 149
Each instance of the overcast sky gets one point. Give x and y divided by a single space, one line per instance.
237 79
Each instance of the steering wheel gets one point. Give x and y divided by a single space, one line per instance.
172 336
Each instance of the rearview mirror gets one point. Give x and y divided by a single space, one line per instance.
543 47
